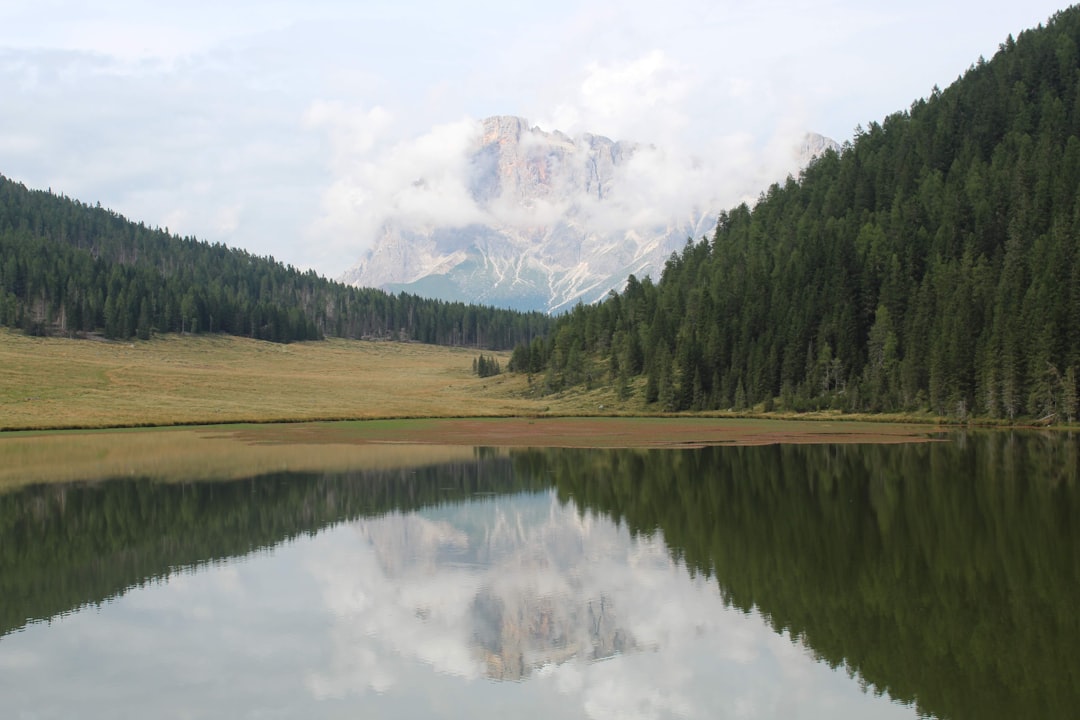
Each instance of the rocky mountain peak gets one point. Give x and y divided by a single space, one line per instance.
524 164
503 129
813 146
560 220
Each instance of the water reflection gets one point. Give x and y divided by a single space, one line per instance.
784 581
497 588
582 618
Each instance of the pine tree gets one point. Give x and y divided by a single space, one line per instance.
1069 395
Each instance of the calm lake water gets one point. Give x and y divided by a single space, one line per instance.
938 579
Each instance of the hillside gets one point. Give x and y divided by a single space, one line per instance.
930 264
68 268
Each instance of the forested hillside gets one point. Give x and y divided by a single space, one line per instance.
69 268
931 264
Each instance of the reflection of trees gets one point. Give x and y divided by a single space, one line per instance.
65 546
944 574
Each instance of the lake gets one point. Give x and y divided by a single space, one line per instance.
935 579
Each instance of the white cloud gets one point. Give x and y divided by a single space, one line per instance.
417 183
641 98
352 132
193 112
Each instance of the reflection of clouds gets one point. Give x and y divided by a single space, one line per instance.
574 607
393 626
217 641
22 659
518 591
201 593
390 602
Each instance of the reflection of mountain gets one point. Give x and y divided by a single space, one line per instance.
65 546
532 602
518 634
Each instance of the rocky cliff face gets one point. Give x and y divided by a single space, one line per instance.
559 225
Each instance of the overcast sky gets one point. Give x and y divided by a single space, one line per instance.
254 123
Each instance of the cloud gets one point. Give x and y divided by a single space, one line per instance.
451 176
654 102
181 115
352 132
188 147
641 98
416 183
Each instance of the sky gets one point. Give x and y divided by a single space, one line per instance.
283 127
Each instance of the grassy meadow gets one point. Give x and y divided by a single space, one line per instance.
60 383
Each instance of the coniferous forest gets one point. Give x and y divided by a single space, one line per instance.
69 268
931 264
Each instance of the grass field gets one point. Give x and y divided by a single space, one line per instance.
50 383
53 383
192 454
59 383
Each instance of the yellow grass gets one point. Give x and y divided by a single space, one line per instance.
60 383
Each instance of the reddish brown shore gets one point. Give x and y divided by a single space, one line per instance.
600 432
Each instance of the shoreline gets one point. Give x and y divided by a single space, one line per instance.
206 453
939 424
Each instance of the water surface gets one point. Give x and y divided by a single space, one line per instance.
758 582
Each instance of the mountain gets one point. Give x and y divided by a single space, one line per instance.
564 220
931 265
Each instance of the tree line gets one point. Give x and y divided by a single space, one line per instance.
69 268
930 264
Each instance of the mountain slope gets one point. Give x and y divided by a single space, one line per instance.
561 220
930 265
68 268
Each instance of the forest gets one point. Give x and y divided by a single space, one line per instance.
929 265
68 268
